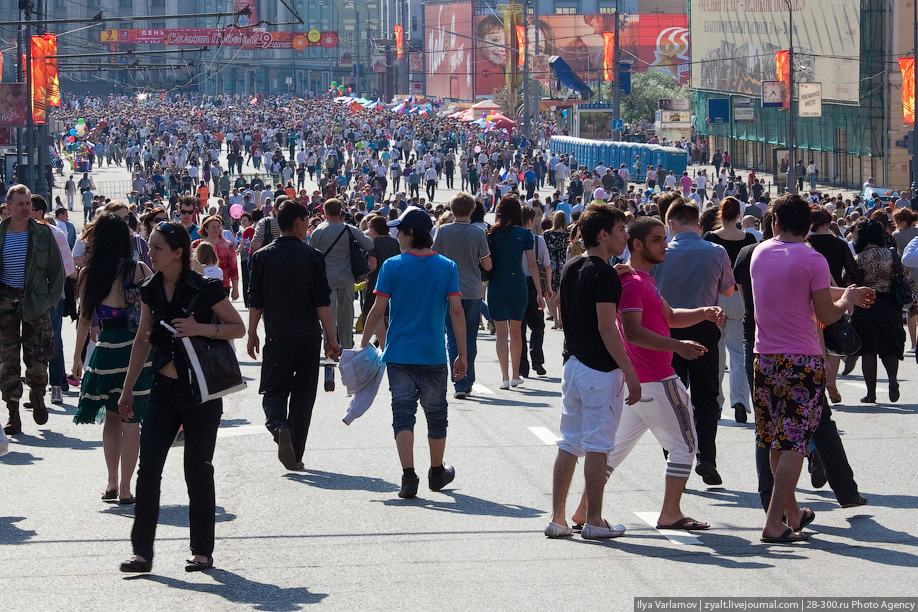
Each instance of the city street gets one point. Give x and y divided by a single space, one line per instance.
336 533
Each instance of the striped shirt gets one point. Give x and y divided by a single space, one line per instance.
15 248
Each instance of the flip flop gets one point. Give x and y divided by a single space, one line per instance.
126 501
808 517
687 524
785 538
110 495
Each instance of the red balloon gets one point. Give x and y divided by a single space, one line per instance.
70 139
349 90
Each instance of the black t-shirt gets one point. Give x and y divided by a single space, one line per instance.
743 277
733 247
585 282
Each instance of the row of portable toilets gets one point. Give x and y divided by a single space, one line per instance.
591 153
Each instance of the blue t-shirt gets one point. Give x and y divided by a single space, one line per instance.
566 208
417 309
15 249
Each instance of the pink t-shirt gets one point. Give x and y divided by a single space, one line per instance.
686 183
784 275
639 293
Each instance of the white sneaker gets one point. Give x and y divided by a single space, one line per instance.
592 532
556 530
505 384
516 382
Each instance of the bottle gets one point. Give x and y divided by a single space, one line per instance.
329 376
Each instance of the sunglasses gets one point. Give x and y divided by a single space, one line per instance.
159 219
187 212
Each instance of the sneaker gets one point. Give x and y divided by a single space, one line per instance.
409 487
438 481
592 532
505 384
57 395
516 382
459 394
554 530
708 474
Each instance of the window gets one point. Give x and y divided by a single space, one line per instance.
565 10
606 10
125 3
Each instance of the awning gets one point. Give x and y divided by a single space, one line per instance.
567 77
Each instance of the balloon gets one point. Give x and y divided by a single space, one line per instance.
236 211
334 83
72 132
478 149
484 115
70 139
564 113
349 90
80 121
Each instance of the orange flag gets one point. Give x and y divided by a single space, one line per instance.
52 82
521 45
907 66
608 56
399 41
39 80
782 60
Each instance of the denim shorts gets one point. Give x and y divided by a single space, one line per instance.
411 383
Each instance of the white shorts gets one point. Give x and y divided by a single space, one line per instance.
666 411
591 408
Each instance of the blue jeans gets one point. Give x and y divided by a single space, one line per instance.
472 310
56 373
410 383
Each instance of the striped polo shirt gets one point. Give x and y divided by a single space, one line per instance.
15 248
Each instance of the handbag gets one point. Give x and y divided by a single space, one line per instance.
212 364
840 338
360 267
901 281
486 274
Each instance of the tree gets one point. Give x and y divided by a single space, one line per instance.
646 90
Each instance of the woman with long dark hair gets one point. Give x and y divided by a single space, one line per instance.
507 290
880 327
109 290
192 306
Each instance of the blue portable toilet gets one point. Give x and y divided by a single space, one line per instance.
604 153
625 155
613 154
594 155
646 155
658 155
678 160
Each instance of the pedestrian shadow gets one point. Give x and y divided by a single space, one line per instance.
877 499
225 423
174 515
53 439
508 401
11 534
530 392
879 408
16 457
342 482
236 589
865 530
467 504
727 497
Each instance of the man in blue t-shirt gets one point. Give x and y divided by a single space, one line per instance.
415 351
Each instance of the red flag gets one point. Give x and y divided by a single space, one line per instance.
39 85
782 65
608 56
52 82
399 41
521 45
907 66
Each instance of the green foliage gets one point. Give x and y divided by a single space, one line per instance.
646 90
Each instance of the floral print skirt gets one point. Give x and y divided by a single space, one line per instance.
788 397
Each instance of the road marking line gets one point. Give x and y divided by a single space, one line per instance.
545 435
481 389
242 430
677 536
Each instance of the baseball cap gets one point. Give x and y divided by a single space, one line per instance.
413 218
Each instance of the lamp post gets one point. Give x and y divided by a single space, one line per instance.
791 139
616 61
914 193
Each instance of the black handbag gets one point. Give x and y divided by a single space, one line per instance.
840 338
360 267
212 364
901 281
486 274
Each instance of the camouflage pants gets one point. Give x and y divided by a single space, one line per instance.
33 340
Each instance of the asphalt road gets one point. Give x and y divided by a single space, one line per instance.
336 534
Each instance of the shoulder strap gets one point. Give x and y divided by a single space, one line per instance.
336 239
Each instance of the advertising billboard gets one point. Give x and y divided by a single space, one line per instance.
735 41
450 47
14 105
651 42
232 37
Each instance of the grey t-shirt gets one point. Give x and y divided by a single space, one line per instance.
465 244
338 258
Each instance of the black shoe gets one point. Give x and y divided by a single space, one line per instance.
409 487
539 368
739 412
39 410
285 451
197 566
817 473
438 481
868 399
708 473
133 566
894 392
860 501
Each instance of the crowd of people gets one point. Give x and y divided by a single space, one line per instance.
655 282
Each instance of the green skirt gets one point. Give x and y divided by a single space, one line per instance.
103 380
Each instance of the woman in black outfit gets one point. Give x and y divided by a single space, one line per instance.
844 269
167 296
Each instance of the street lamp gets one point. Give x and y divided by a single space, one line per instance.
791 139
354 4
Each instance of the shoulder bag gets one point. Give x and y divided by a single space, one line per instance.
901 281
840 338
212 364
360 267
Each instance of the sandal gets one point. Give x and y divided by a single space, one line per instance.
127 501
833 394
785 538
197 566
686 523
110 495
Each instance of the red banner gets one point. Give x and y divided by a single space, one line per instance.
14 105
53 83
782 67
244 38
608 56
399 41
907 66
450 45
39 80
521 45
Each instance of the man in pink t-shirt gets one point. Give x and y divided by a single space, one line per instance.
686 184
665 409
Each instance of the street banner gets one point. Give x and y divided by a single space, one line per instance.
399 42
521 46
247 38
14 105
39 80
52 84
782 69
608 55
450 44
907 66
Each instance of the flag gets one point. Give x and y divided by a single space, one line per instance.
39 83
399 41
907 66
53 84
608 55
782 67
521 45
